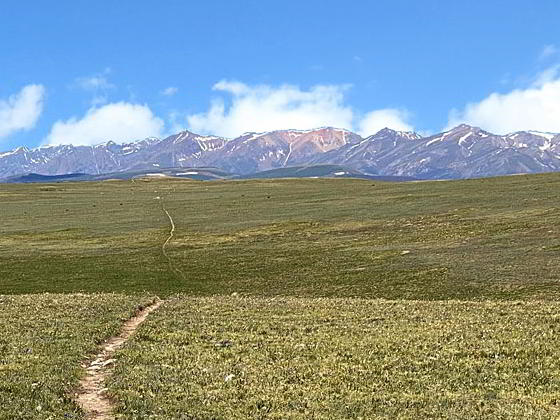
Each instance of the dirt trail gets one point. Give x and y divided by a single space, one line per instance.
164 246
92 396
171 233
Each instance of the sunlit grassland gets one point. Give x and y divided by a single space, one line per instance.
325 358
43 340
469 270
472 239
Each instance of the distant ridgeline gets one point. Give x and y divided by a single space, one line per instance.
463 152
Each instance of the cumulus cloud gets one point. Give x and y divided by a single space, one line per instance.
119 122
535 108
21 110
374 121
265 108
262 108
170 91
238 88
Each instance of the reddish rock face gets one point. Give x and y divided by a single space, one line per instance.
276 149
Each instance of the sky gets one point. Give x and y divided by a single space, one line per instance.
85 72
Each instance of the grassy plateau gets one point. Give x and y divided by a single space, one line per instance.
477 239
285 298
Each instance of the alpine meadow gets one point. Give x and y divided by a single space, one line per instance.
279 210
291 298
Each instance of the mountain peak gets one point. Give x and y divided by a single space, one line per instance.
461 152
183 135
385 131
306 131
389 132
464 128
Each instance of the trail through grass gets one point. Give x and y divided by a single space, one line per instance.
43 341
471 239
469 268
92 396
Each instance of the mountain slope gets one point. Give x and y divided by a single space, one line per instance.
255 152
463 152
320 171
199 174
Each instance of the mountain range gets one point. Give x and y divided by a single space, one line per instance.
462 152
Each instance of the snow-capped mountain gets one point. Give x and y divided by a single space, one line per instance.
181 150
255 152
467 152
462 152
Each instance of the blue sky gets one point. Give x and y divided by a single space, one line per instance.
86 72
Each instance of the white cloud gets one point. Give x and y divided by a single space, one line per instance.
238 88
170 91
119 122
265 108
175 122
94 83
98 85
374 121
549 51
534 108
22 110
546 76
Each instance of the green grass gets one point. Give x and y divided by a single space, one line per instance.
473 239
468 269
304 358
43 341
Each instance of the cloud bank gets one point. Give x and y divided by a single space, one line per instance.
119 122
534 108
21 110
264 108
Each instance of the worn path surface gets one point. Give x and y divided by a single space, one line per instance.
166 243
91 395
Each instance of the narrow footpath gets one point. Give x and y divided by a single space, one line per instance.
91 395
166 243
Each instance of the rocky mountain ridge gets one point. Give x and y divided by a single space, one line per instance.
462 152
